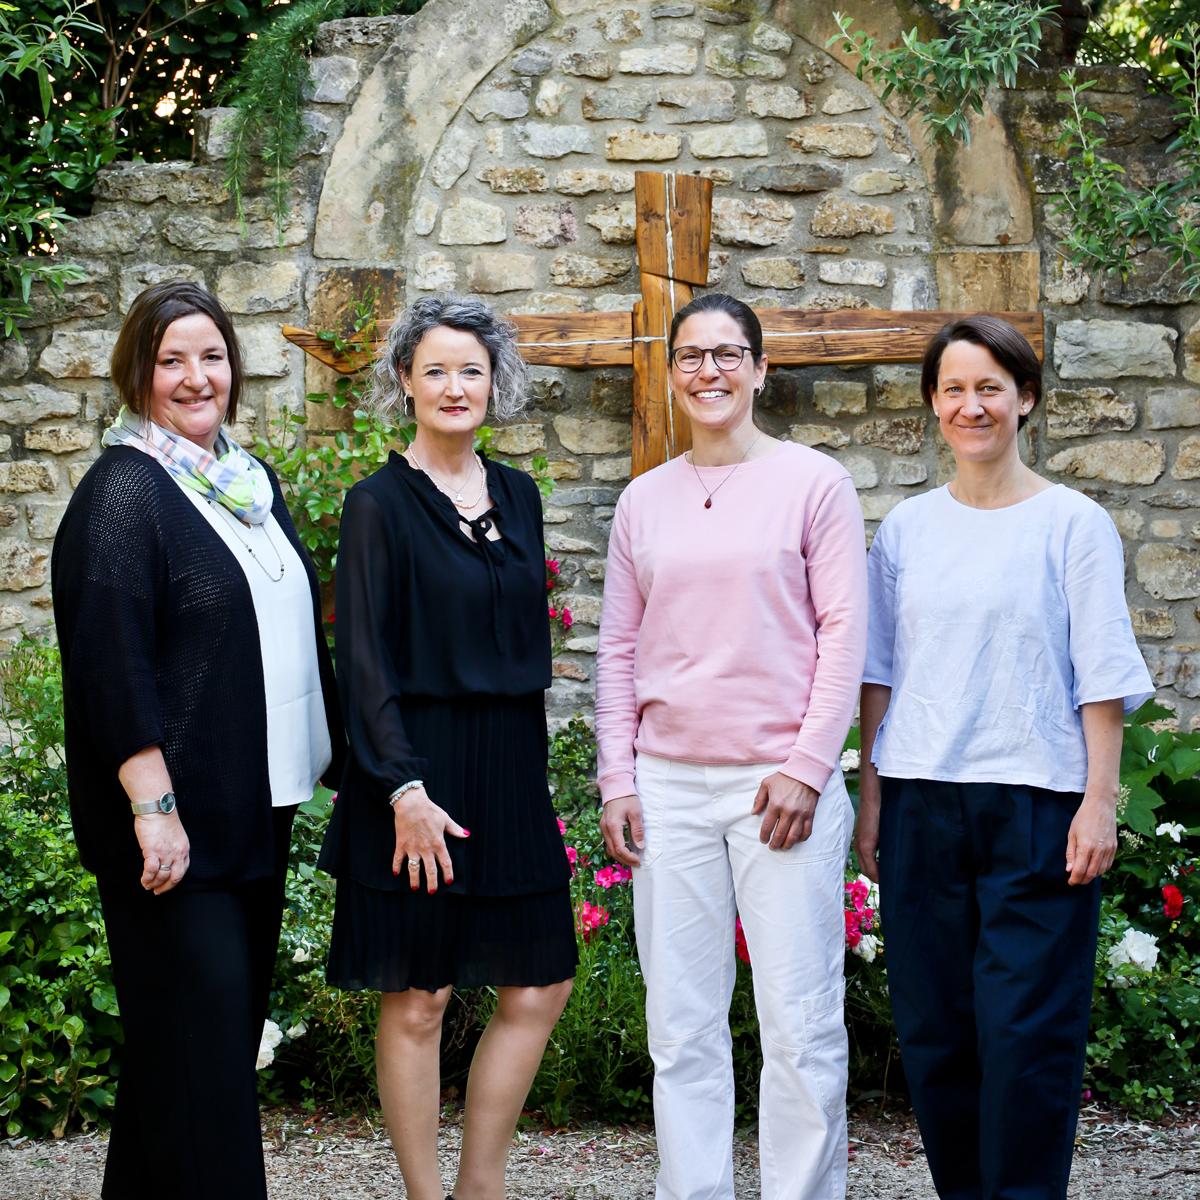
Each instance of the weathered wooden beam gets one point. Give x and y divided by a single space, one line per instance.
674 225
796 338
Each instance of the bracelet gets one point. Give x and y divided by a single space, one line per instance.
405 787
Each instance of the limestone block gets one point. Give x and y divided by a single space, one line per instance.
907 472
1066 283
792 178
662 11
470 222
1166 528
175 182
551 95
526 438
621 26
731 58
1131 461
493 271
837 397
840 101
674 58
508 101
616 103
1129 523
770 38
79 353
259 287
720 176
585 609
638 145
27 475
756 222
747 140
121 231
612 469
852 270
8 515
692 102
587 181
1110 349
1187 459
355 35
34 401
42 521
1191 353
582 645
332 78
845 140
22 565
563 468
611 394
1168 572
11 616
264 350
863 472
75 472
513 181
840 218
899 435
532 61
830 301
583 270
136 279
14 359
897 387
452 157
564 543
1172 408
878 182
815 68
777 100
1078 412
425 214
989 280
1152 622
549 302
616 222
1153 280
434 272
592 64
616 301
785 273
819 435
876 507
213 136
73 304
554 141
196 231
591 435
59 439
546 225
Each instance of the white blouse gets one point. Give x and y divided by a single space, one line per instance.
992 627
298 746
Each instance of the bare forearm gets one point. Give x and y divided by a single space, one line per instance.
144 776
1103 730
873 706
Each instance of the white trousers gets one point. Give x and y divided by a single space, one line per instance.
701 863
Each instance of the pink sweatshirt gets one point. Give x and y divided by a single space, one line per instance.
734 634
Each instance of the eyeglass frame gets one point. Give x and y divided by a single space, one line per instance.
709 350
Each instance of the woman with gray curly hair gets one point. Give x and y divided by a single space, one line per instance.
450 867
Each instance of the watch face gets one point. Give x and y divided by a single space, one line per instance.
166 802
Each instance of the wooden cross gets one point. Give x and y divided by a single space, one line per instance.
674 223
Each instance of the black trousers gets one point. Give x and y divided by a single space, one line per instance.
193 976
990 958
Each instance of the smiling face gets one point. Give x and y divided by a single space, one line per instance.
715 398
450 381
978 404
189 391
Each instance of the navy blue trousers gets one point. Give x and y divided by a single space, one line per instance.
990 958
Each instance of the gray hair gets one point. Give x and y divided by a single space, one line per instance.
499 337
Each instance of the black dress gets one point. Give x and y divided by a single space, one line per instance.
443 656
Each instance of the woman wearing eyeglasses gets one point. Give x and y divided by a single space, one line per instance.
731 647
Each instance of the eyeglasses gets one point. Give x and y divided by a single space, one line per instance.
690 359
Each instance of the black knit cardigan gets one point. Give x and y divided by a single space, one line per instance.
160 647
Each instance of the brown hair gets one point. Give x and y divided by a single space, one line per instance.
1004 343
142 334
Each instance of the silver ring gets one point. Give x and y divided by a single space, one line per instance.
165 867
413 862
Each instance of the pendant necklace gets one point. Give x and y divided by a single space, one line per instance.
249 548
454 493
708 495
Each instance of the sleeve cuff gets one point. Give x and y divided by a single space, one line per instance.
806 769
616 785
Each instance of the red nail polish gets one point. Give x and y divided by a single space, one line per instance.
466 833
395 870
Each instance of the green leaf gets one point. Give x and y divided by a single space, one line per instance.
1139 809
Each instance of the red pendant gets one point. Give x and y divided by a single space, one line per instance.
708 502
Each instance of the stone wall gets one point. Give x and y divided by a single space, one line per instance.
490 145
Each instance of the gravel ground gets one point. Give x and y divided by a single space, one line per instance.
318 1158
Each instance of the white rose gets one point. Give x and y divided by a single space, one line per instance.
1138 948
297 1030
872 900
867 947
1171 829
272 1035
301 954
850 760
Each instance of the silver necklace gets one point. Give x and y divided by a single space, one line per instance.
250 548
455 493
708 495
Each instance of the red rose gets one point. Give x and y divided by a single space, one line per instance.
1172 901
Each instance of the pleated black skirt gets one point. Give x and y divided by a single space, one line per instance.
507 919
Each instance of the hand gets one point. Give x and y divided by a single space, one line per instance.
866 834
166 852
624 811
1092 840
790 807
421 829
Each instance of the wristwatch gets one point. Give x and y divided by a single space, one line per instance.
164 804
